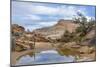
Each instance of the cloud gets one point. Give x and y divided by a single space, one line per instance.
51 11
42 9
37 25
32 17
54 11
89 18
42 14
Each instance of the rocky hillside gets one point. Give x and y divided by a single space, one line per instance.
90 38
63 31
58 30
67 25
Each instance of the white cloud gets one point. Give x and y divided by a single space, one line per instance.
65 12
43 9
89 18
33 17
83 11
60 10
47 23
40 25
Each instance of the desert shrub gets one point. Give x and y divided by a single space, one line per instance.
84 28
67 36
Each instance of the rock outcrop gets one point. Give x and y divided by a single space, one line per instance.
17 29
56 31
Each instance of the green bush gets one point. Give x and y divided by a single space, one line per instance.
84 28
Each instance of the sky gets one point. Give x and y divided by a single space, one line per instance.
34 15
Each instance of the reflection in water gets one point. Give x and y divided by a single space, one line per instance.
44 57
66 51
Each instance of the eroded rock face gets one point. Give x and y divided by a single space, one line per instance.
17 32
68 25
56 31
23 40
90 38
17 29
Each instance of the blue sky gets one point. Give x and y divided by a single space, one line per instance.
37 15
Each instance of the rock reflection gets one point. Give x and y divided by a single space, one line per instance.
49 56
